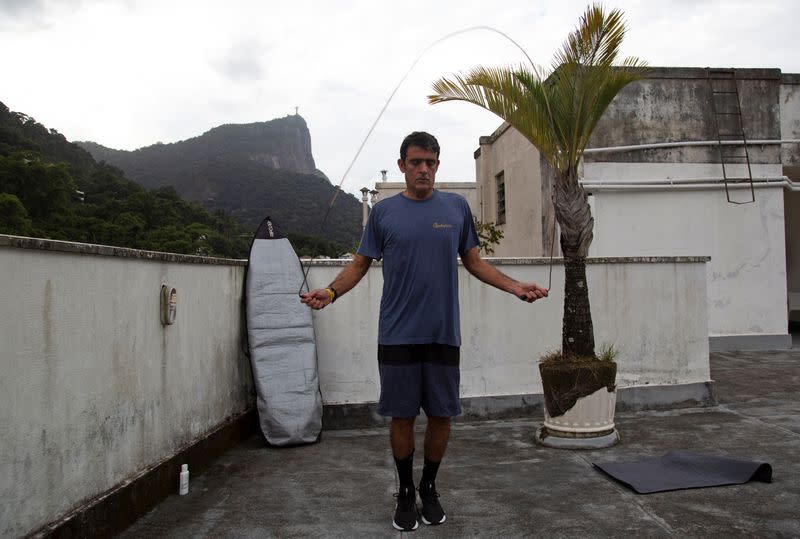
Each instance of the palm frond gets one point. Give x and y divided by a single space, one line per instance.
559 112
501 91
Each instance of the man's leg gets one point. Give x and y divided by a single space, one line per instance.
436 436
400 373
401 436
440 398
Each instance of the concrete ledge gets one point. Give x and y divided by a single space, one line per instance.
659 72
352 416
790 78
115 510
733 343
541 261
666 397
629 399
43 244
502 407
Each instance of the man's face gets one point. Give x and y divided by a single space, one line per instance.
420 170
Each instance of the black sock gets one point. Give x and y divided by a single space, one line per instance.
429 472
405 470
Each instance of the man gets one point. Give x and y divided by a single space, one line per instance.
418 234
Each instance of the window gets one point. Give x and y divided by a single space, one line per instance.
501 198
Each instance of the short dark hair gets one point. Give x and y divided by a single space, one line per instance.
421 139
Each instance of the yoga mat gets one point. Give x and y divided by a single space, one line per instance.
678 470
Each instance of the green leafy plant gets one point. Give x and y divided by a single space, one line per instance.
557 111
608 352
488 236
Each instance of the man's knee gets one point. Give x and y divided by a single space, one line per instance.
439 421
403 422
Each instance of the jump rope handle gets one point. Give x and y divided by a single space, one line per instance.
524 298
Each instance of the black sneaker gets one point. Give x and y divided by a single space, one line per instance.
405 514
432 512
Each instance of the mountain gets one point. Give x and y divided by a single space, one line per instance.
249 171
51 188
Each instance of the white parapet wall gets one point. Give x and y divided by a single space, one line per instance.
652 309
747 280
94 389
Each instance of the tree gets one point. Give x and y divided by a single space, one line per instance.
43 188
557 113
488 236
13 216
51 188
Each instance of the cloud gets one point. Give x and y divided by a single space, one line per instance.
40 15
131 72
243 61
23 15
21 8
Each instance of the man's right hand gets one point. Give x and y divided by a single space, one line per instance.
316 299
530 292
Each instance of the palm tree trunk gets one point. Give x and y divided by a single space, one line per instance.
577 332
575 219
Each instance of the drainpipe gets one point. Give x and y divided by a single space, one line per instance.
687 183
688 143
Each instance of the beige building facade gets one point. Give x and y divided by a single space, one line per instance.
385 189
510 193
654 176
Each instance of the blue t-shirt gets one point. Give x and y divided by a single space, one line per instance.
419 242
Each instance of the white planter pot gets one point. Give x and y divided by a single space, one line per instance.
592 415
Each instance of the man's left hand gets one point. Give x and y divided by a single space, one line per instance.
316 299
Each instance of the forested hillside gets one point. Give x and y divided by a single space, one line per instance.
51 188
248 171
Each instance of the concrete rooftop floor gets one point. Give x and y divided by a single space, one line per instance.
495 482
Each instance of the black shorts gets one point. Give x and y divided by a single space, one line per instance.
415 376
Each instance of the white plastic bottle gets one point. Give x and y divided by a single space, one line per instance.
183 487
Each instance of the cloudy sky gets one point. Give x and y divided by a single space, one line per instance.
129 73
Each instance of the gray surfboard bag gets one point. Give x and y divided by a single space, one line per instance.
280 336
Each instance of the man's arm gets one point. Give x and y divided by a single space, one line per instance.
489 274
345 281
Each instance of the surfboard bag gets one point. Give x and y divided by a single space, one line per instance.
280 335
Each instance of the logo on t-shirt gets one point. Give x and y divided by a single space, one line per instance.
441 225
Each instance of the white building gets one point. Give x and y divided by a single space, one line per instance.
655 181
386 189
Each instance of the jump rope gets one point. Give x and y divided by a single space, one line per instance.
372 128
307 268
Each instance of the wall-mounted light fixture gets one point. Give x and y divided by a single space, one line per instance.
169 305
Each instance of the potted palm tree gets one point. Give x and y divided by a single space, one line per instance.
557 112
